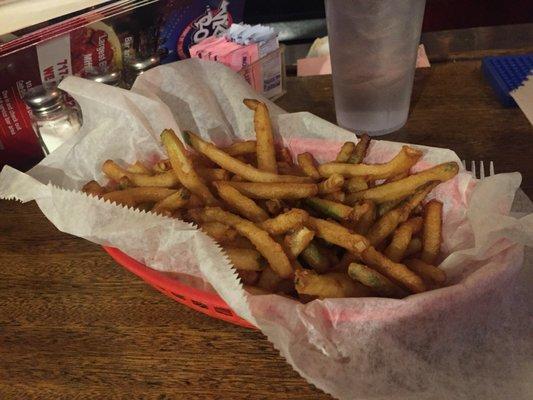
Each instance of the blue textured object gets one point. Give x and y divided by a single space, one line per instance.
506 73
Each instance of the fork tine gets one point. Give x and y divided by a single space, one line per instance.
491 169
481 170
464 163
473 168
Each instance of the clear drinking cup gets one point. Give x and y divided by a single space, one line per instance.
373 46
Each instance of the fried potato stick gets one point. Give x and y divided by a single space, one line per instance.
406 186
134 196
360 151
296 241
240 148
345 152
183 169
397 272
268 247
379 283
268 191
172 202
115 172
432 233
242 204
266 152
338 235
244 259
235 166
428 272
403 161
285 222
331 285
402 237
332 184
307 163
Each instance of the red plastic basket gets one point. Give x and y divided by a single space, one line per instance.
199 300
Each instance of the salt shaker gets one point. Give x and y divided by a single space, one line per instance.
53 121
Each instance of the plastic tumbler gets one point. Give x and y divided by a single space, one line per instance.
373 46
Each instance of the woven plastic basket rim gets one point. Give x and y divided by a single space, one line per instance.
200 300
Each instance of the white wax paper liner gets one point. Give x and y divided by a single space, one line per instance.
469 340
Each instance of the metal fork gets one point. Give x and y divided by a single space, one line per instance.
481 169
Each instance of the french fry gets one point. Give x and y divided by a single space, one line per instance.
404 187
194 202
432 233
345 152
269 280
256 291
266 152
240 242
93 188
139 168
330 285
244 259
338 235
134 196
388 222
172 202
402 237
384 208
332 184
296 241
240 148
285 168
316 258
429 273
338 196
162 166
329 208
360 151
366 212
242 204
269 248
285 155
285 222
283 190
274 206
235 166
395 178
356 184
414 246
222 233
346 260
248 277
398 273
214 174
379 284
183 169
115 172
307 163
403 161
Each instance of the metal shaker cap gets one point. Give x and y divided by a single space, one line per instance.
140 66
112 78
43 101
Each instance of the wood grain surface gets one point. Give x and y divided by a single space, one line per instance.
75 325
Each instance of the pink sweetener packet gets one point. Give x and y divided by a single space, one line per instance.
241 59
219 52
200 50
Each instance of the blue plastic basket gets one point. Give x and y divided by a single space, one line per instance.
506 73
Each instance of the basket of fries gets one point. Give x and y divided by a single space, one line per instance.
359 259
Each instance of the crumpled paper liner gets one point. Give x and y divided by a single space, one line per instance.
469 340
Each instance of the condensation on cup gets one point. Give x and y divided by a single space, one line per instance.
373 47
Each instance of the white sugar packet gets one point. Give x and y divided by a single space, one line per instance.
469 340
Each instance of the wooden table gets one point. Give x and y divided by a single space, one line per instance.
75 325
